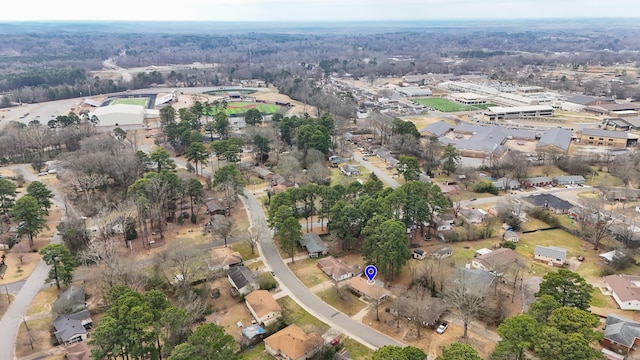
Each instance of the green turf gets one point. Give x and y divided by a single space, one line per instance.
444 105
144 101
238 108
226 91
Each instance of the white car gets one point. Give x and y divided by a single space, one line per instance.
442 328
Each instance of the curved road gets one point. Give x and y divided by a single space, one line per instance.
10 322
301 294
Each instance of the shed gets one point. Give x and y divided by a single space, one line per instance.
510 236
442 253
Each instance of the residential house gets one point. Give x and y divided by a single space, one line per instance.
625 290
418 254
262 173
429 309
474 277
224 258
620 334
263 307
495 261
552 255
449 188
292 343
336 160
481 252
314 245
214 207
72 328
539 181
425 178
370 292
218 223
568 180
278 179
510 236
507 184
349 170
242 279
471 216
336 269
549 202
442 253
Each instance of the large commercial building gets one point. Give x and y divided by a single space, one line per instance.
609 138
124 115
496 113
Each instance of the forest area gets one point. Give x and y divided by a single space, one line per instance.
51 65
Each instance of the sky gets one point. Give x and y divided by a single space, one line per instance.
313 10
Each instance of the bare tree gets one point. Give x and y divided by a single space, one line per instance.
466 298
595 220
186 264
252 239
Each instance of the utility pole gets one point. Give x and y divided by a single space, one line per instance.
7 290
28 332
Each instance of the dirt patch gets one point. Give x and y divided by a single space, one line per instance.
43 301
20 263
229 310
34 336
429 341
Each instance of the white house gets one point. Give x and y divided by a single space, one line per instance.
418 254
445 252
625 290
510 236
349 170
553 255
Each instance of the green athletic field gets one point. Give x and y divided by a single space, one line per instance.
144 101
226 91
238 108
446 105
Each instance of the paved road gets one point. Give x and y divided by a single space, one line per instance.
305 298
10 322
379 173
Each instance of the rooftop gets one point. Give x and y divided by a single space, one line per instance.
558 137
548 200
621 331
605 133
626 287
313 243
262 302
551 252
293 342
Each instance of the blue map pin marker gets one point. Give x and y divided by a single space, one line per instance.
370 271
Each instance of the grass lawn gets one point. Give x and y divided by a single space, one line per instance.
533 224
357 350
144 101
308 272
245 250
226 91
348 303
600 300
257 353
444 105
294 314
556 237
238 108
603 178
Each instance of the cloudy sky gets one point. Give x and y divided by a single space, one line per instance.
314 10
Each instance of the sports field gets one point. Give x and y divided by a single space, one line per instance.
227 91
144 101
238 108
445 105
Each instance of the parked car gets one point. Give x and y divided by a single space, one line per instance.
442 328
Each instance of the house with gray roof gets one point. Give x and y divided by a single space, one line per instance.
242 279
349 170
549 201
555 140
507 184
569 180
438 129
552 255
471 216
72 328
314 245
475 277
621 334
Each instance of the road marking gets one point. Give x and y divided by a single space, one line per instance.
336 314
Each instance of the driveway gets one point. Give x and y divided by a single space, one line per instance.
379 173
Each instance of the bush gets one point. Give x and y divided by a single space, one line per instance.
508 244
544 215
267 282
194 218
486 187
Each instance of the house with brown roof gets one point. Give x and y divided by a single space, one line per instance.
625 290
263 307
292 343
224 258
336 269
369 291
495 261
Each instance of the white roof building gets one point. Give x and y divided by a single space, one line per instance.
120 115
